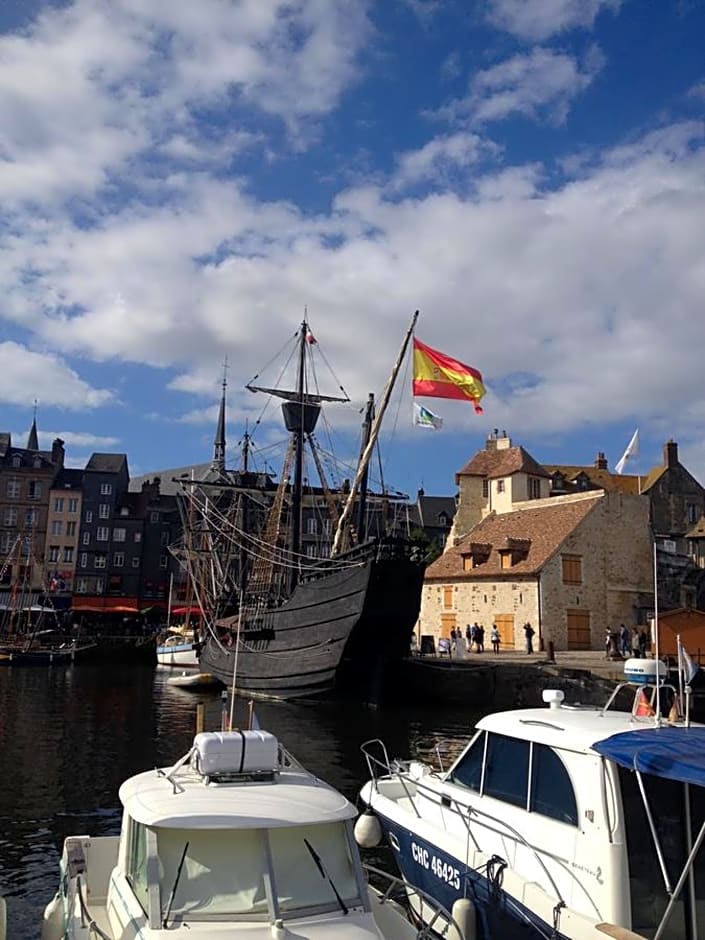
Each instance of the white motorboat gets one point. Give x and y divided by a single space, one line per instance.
176 649
566 821
235 840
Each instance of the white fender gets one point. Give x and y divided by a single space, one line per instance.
463 912
368 830
53 920
3 919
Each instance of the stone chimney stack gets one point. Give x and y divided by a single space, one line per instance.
600 461
670 454
57 453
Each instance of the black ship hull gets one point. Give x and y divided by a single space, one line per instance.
340 626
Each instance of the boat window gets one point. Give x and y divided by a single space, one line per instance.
468 770
507 770
551 790
137 862
297 875
222 874
647 891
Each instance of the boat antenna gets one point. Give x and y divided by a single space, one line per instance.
657 717
374 434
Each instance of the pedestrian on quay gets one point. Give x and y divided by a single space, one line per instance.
494 636
468 637
474 635
635 643
624 639
480 639
529 637
643 643
453 638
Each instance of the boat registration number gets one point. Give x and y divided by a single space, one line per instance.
442 870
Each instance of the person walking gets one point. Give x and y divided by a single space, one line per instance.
494 636
480 639
624 639
529 637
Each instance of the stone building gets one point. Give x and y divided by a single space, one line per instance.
63 527
571 566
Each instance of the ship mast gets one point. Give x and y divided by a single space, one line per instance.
374 434
366 432
296 505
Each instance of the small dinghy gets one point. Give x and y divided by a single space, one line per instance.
194 680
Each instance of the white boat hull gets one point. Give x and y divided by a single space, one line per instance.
183 656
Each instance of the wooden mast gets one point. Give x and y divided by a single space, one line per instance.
374 434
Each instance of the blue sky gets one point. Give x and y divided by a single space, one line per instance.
179 182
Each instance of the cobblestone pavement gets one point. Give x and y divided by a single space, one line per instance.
593 661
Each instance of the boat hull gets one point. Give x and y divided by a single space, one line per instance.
361 614
183 656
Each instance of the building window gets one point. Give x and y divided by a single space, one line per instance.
82 586
68 555
31 517
35 489
53 553
57 527
84 559
86 538
99 585
534 488
124 511
447 595
37 462
17 461
154 516
103 533
104 511
106 489
505 560
89 515
312 525
11 516
100 560
164 540
163 561
59 504
70 528
5 542
138 536
500 486
572 569
118 559
692 513
73 504
13 488
119 535
485 488
135 561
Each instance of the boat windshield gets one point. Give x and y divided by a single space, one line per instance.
224 871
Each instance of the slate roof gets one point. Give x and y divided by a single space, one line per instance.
68 479
167 478
501 463
107 463
546 527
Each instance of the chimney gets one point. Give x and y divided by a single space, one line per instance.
600 461
57 453
492 440
670 454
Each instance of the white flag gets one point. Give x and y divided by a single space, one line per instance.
424 418
631 451
685 664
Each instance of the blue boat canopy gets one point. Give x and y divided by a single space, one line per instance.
674 753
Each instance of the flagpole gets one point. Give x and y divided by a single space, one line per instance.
656 642
680 672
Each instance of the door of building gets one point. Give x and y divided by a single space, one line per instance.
505 625
448 622
578 629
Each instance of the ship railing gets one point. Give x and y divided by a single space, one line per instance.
379 766
430 917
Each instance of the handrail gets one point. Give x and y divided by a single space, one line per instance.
92 925
454 806
401 892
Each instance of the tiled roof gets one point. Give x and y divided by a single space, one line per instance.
610 482
546 527
501 463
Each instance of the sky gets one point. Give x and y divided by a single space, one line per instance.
181 184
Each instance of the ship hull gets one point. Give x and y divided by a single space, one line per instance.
341 626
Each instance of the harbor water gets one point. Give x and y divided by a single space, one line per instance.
70 735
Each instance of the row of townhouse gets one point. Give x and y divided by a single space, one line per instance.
569 549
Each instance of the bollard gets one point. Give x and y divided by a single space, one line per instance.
551 652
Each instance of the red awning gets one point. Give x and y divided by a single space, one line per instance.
191 611
118 605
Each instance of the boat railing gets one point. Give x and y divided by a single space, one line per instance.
400 771
432 919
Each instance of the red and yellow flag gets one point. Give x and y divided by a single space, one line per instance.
438 376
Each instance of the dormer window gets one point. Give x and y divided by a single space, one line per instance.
476 555
37 463
443 519
512 551
17 461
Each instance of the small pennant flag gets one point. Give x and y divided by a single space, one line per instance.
631 451
423 418
686 664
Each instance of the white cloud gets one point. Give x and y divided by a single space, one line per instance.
538 20
441 158
26 375
540 84
78 439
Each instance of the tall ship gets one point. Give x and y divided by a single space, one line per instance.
286 615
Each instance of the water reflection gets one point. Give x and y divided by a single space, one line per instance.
69 736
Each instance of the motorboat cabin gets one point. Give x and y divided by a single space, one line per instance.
235 840
558 821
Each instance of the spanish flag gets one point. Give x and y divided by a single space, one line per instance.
438 376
